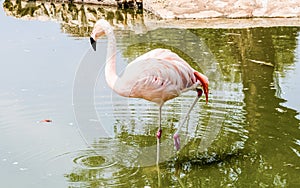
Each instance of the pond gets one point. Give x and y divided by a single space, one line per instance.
62 126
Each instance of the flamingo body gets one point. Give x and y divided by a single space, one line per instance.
157 76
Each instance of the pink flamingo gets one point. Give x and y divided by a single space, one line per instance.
157 76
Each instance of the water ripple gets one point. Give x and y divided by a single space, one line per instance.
104 165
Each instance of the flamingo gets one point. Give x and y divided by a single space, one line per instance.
157 76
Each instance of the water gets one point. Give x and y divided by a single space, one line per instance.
246 136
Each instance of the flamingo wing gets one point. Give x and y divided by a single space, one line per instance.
169 56
157 76
164 54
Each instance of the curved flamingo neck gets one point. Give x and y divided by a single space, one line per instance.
110 67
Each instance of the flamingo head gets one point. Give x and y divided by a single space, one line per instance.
100 29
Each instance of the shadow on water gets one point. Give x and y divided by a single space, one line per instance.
245 136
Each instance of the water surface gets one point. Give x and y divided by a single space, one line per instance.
247 135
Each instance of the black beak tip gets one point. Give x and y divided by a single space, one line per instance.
93 43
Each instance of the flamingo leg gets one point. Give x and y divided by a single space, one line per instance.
157 152
157 166
176 135
158 134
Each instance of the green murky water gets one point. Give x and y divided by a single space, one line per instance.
246 136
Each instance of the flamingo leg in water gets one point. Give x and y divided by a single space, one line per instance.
176 135
157 152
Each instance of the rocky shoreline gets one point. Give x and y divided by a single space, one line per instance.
196 9
79 16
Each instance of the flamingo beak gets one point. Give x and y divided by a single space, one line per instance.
93 43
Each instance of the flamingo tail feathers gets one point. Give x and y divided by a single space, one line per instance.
204 82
